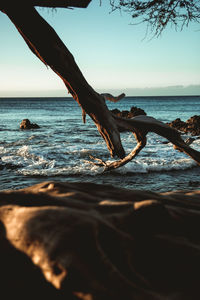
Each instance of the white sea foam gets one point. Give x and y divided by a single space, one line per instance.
153 165
2 150
32 161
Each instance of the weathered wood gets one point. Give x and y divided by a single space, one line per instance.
149 124
44 3
45 43
99 242
48 47
141 143
140 126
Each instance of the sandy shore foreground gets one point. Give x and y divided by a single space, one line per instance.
95 242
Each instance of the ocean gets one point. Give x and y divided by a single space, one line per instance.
59 150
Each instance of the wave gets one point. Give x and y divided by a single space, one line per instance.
83 168
150 165
28 161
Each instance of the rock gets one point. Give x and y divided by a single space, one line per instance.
194 125
179 125
124 113
116 111
134 111
89 241
26 124
191 126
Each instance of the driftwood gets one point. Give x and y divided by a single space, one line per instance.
140 126
48 47
83 241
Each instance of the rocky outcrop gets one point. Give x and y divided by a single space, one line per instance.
26 124
134 111
87 241
191 126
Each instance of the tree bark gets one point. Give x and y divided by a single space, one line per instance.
61 3
140 126
45 43
48 47
148 124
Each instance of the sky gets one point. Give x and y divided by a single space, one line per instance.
112 54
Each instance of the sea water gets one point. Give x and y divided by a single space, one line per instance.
60 149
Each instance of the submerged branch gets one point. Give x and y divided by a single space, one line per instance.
141 142
140 126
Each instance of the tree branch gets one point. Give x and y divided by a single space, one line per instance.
112 98
48 47
140 126
149 124
61 3
141 143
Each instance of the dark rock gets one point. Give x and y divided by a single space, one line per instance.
88 241
191 126
116 111
178 124
194 125
26 124
124 113
134 111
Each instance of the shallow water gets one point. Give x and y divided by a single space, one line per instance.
60 148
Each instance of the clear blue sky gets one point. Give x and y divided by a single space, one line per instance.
111 54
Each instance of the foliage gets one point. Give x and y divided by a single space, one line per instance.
159 13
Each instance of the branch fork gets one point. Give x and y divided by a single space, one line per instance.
43 41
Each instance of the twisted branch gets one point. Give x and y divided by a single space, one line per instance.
141 126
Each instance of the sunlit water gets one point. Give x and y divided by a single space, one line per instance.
60 149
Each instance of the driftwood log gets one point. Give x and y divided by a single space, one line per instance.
96 242
48 47
141 126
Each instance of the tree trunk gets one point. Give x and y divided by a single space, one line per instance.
45 43
48 47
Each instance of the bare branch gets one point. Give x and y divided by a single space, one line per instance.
157 14
49 48
141 142
47 3
140 126
61 3
112 98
